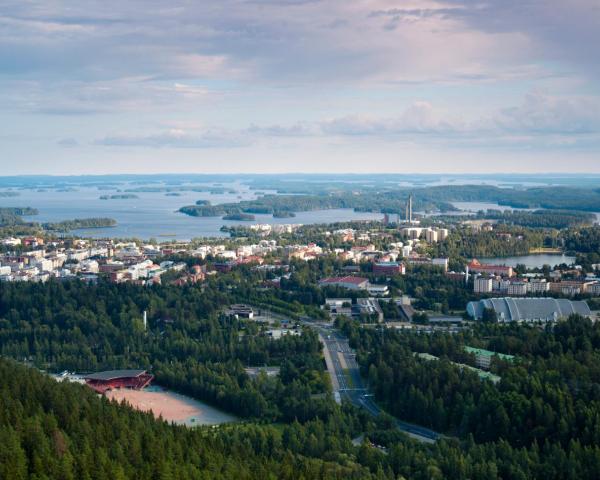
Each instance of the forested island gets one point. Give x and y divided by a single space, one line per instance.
79 223
10 216
425 199
244 217
283 214
540 218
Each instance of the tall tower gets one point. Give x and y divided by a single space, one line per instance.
145 320
410 208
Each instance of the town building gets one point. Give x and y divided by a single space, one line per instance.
517 289
482 285
477 267
241 311
510 309
389 268
483 358
351 283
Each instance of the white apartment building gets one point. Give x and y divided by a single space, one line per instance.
517 288
442 234
440 262
482 285
431 236
78 255
44 265
538 286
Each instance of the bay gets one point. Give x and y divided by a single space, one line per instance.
154 214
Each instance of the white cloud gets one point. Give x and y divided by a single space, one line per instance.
176 138
546 114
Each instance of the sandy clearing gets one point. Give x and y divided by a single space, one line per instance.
172 408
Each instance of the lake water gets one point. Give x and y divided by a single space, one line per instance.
531 261
154 214
474 207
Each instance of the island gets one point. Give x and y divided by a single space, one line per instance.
244 217
11 216
120 196
283 214
79 223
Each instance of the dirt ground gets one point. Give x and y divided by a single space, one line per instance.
171 408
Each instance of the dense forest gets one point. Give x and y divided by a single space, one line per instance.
548 395
585 243
65 431
540 218
189 345
466 244
540 421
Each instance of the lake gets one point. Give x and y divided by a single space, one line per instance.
531 261
474 207
154 214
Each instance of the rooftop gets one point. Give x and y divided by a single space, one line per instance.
112 374
347 279
488 353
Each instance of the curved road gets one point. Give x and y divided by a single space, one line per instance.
350 385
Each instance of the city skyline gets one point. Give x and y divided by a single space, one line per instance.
261 86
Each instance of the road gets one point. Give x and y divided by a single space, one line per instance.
350 385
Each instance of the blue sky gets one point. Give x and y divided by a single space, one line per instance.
299 86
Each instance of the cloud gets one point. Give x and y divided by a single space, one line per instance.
540 119
546 114
317 74
297 130
292 41
538 114
68 142
419 118
176 138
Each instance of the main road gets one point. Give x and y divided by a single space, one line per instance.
348 384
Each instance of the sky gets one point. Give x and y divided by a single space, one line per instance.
299 86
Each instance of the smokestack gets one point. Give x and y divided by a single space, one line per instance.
145 320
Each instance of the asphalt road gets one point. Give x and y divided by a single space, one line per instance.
351 385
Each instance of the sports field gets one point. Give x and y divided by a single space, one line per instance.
172 406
